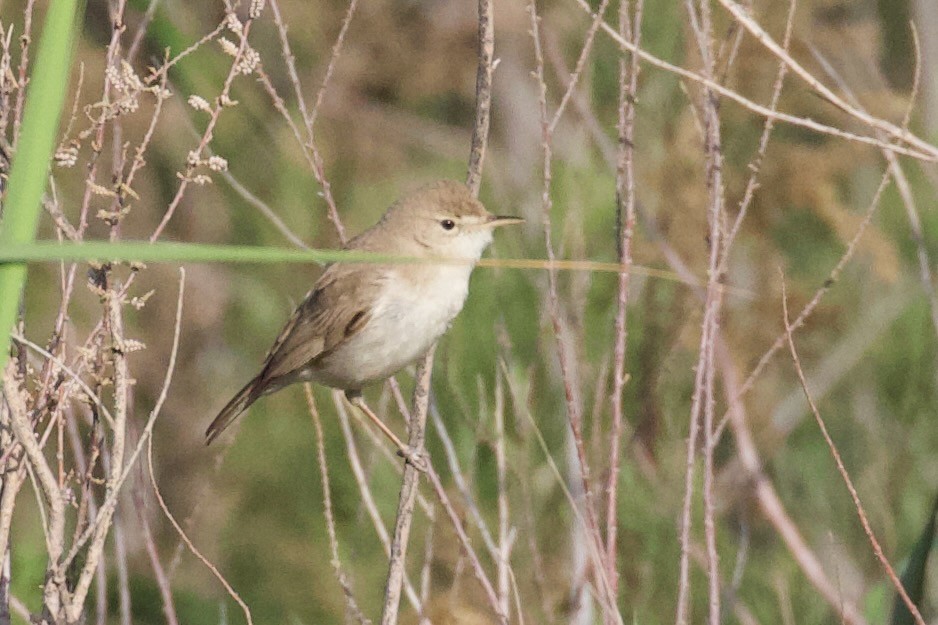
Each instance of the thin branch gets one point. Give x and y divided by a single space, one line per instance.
771 504
702 404
894 132
928 153
119 472
574 416
364 489
333 61
405 509
580 64
630 27
486 66
466 545
351 605
504 541
459 479
310 149
159 571
755 164
222 101
123 575
861 513
595 552
898 174
55 594
812 305
185 538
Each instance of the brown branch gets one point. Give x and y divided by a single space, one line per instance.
771 504
630 27
459 479
894 132
123 576
466 545
595 554
812 305
310 150
580 64
185 538
755 164
405 509
364 489
159 571
504 540
928 154
574 416
330 68
97 531
702 404
55 592
22 79
480 129
222 101
861 513
351 605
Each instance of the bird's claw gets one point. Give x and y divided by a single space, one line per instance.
413 457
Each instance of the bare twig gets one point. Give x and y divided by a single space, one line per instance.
861 513
466 545
504 541
459 479
123 574
185 538
480 129
405 509
892 131
350 604
142 30
310 150
580 64
755 164
368 499
772 506
222 101
630 27
812 305
898 174
97 531
333 60
929 153
574 416
55 593
159 571
25 40
595 552
702 405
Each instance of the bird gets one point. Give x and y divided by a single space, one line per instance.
363 322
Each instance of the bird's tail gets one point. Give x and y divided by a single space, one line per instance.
238 404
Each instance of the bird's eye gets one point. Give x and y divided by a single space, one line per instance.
448 224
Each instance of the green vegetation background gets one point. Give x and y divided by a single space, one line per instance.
398 114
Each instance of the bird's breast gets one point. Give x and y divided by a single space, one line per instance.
410 313
425 305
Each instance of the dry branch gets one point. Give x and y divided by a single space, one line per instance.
405 510
861 513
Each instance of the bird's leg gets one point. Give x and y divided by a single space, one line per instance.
406 452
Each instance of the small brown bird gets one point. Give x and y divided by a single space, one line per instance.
362 323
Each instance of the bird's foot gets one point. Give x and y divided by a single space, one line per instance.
413 457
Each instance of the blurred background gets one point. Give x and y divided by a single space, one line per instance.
398 113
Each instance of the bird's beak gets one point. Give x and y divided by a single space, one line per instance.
503 220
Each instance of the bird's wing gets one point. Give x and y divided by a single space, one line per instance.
337 308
